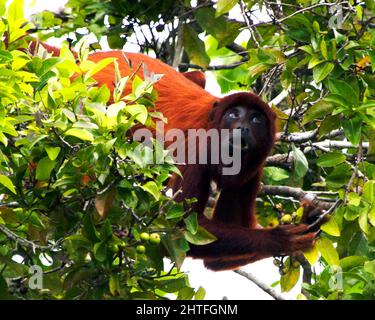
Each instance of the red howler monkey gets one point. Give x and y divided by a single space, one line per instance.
186 105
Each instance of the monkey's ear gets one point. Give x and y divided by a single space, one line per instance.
198 77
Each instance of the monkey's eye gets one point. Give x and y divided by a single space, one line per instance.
233 114
256 118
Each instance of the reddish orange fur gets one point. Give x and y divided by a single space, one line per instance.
178 97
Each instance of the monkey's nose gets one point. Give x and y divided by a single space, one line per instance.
247 139
243 139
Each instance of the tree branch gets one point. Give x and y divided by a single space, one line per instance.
296 193
233 47
280 160
23 242
273 293
300 137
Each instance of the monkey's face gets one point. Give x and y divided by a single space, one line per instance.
247 131
252 128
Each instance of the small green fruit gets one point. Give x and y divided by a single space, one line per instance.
145 236
155 238
140 249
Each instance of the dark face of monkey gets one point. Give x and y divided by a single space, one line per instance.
249 131
251 124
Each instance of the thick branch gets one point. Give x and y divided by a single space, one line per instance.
300 137
296 193
335 144
280 160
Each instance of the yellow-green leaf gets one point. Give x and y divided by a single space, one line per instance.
7 183
363 222
290 279
114 284
53 152
223 6
44 168
323 49
201 237
331 227
80 133
139 111
98 67
152 188
328 251
312 255
321 71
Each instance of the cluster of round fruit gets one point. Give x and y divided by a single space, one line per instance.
153 238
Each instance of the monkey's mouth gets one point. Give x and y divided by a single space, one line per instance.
243 144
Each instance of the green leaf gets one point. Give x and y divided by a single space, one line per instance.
201 237
80 134
224 31
191 223
358 245
339 175
371 216
114 284
290 279
352 129
223 6
176 248
344 90
301 164
275 174
318 110
354 199
370 267
321 71
328 251
323 49
185 293
194 47
152 188
53 152
44 168
139 111
350 262
98 67
337 100
331 159
200 294
312 255
7 183
89 229
363 222
176 211
369 191
314 61
171 285
331 227
100 251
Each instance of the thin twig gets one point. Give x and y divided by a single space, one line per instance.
23 242
273 293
